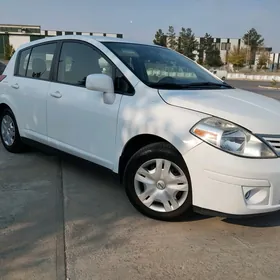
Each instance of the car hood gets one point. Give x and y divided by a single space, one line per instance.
257 113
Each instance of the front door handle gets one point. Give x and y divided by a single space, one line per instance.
15 86
56 94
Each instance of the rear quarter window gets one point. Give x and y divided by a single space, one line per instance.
40 62
36 62
23 61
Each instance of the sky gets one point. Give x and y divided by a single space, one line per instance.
140 19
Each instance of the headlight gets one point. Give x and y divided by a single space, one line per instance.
231 138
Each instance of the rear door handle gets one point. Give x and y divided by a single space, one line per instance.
15 86
56 94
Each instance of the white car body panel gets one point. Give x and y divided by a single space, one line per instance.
147 113
218 178
31 95
89 125
81 124
257 113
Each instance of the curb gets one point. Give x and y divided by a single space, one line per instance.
246 80
271 88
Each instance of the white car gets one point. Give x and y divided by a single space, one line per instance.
179 137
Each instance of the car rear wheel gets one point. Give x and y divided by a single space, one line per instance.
157 183
9 132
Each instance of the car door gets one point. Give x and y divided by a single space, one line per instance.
29 89
78 120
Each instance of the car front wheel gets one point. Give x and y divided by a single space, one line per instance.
157 182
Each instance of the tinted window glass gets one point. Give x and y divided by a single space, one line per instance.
77 61
160 67
121 84
23 60
40 62
2 67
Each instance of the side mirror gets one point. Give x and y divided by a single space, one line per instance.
103 83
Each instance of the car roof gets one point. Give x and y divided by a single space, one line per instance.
86 38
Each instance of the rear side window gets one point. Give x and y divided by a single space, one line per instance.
77 61
40 62
23 61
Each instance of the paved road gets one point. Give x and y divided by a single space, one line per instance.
254 86
103 237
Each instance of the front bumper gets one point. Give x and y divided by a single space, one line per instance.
233 185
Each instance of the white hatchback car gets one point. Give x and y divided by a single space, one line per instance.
179 137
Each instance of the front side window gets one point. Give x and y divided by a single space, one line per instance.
40 62
77 61
161 67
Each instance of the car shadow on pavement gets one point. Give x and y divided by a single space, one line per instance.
98 217
267 220
112 180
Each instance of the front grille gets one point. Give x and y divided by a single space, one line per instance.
273 141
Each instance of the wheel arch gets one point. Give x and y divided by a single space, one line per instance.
134 144
4 106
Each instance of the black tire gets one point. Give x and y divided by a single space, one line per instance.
17 145
149 152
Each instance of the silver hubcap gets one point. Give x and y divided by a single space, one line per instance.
161 185
8 131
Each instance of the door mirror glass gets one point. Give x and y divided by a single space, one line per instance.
103 83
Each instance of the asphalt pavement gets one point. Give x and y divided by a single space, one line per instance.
63 217
254 87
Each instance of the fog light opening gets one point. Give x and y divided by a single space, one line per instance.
248 195
256 195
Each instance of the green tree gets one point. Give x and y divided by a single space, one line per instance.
160 38
187 43
253 40
237 56
212 54
205 42
213 57
9 51
172 41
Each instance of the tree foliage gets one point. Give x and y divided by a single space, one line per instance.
172 41
187 43
9 51
237 56
212 54
253 40
208 53
203 47
160 38
213 57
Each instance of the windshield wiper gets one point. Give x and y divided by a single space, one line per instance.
190 85
168 86
208 84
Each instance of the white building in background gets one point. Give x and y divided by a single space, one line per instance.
17 35
274 63
225 45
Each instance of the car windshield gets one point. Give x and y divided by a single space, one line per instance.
162 68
